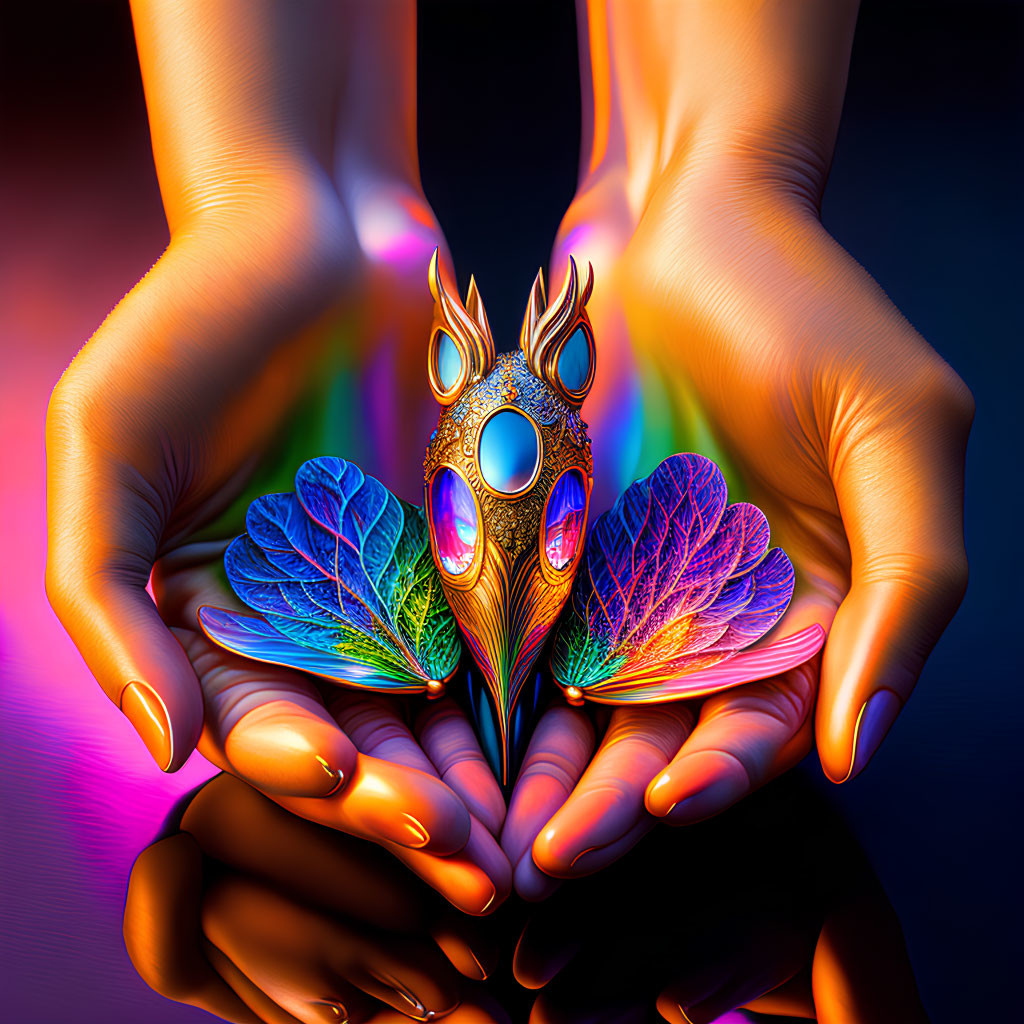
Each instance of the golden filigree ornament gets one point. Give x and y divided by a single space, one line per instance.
508 480
662 602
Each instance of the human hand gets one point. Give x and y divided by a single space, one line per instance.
690 927
222 370
254 914
756 339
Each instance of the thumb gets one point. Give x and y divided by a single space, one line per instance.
102 537
899 480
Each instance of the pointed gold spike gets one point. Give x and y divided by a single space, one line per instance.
588 287
434 278
475 307
534 308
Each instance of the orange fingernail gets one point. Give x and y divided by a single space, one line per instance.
418 835
145 710
336 1012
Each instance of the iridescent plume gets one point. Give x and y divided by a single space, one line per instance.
343 579
674 584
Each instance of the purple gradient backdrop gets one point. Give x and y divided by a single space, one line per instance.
79 795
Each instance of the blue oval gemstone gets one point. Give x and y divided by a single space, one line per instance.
449 361
574 361
453 520
564 527
509 451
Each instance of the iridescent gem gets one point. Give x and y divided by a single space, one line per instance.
509 451
574 361
449 362
453 512
564 527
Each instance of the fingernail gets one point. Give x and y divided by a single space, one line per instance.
706 802
334 1011
413 1007
488 901
530 882
873 722
653 802
144 709
282 752
336 775
412 831
480 969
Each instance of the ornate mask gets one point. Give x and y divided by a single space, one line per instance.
508 478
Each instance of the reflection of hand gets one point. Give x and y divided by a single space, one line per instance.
769 932
757 339
224 368
256 915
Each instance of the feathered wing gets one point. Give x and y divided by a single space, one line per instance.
342 578
673 586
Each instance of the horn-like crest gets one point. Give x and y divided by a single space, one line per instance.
534 307
475 308
545 329
468 328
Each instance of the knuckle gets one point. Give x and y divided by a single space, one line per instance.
939 389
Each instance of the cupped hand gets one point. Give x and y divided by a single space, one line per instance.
695 926
256 915
754 338
294 274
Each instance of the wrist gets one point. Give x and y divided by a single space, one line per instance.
748 92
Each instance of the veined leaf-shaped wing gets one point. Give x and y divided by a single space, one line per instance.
344 582
674 584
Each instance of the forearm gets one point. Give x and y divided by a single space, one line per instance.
685 88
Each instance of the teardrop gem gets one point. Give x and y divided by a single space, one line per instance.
563 529
574 361
449 362
453 520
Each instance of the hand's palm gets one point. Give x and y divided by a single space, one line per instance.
755 339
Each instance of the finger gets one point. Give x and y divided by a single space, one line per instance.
605 813
793 998
162 932
899 481
393 796
254 836
429 824
391 804
481 1009
451 744
267 724
861 971
558 752
375 726
545 947
280 842
259 1002
103 529
743 738
471 949
304 958
476 880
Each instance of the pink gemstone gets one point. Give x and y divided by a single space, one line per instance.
567 508
453 515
